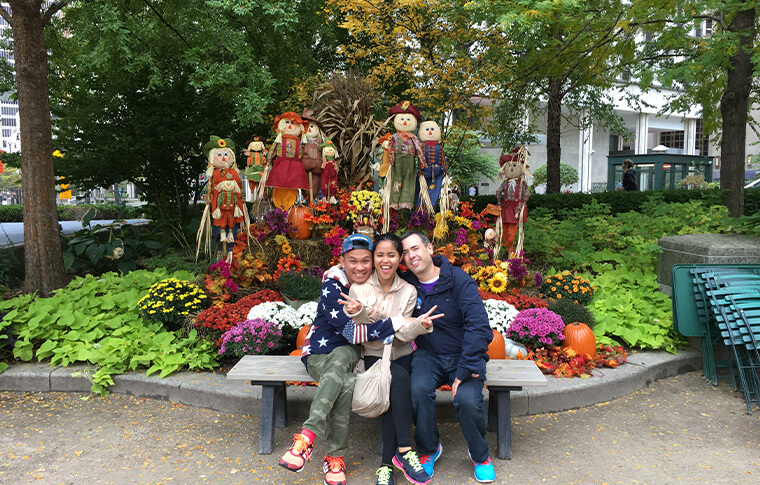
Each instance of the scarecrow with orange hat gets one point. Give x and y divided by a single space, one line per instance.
406 156
286 170
256 154
329 170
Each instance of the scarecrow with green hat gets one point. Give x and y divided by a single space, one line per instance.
255 163
225 203
329 170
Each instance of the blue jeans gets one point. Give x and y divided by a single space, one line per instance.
430 371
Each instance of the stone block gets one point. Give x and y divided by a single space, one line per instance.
26 377
704 249
214 391
71 379
136 383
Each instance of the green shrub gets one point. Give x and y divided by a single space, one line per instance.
299 286
175 260
557 205
572 312
10 266
15 213
11 213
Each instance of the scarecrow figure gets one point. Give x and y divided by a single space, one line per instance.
224 201
435 171
256 163
286 171
406 158
312 161
329 170
513 196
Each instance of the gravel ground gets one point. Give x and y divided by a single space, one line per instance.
679 430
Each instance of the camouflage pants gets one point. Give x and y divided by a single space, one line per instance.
331 408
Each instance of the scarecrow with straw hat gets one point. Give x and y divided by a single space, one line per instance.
225 204
312 161
286 173
513 197
329 170
255 163
406 158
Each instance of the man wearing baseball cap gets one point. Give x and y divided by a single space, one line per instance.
330 355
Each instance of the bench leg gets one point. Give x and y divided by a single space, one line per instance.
380 438
503 423
491 427
280 407
267 419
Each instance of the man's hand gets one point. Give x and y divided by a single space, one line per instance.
456 383
426 320
352 305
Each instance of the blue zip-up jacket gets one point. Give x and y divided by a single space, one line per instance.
464 329
332 327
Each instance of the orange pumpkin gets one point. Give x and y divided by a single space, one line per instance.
296 352
302 335
579 337
299 227
496 347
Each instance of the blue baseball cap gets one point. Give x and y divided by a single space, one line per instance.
356 241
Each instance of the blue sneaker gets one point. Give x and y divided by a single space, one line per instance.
485 472
428 461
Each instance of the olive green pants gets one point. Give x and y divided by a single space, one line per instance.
331 408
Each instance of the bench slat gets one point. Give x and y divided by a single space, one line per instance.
279 368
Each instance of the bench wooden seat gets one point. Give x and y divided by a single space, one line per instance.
273 372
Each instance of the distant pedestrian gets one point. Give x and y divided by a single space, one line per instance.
630 179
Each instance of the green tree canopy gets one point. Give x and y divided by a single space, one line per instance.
466 162
141 85
706 52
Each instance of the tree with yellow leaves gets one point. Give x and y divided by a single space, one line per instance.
430 51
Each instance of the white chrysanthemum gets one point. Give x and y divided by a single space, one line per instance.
276 312
500 314
306 313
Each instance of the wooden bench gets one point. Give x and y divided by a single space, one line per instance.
272 372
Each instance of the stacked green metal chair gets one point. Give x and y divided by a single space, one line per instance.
726 304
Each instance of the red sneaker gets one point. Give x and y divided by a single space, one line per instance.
335 470
299 453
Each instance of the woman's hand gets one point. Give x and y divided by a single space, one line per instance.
352 305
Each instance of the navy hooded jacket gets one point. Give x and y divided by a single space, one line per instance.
464 329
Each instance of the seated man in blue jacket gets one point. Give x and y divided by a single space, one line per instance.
330 354
454 353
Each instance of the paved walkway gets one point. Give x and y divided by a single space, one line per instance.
678 430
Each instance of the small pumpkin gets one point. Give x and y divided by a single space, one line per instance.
296 352
512 349
579 337
299 227
302 335
496 347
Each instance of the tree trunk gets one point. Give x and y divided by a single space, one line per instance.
42 243
734 105
553 135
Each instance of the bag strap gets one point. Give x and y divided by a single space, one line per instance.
385 366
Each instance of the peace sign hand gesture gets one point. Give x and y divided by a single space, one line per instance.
352 305
426 320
